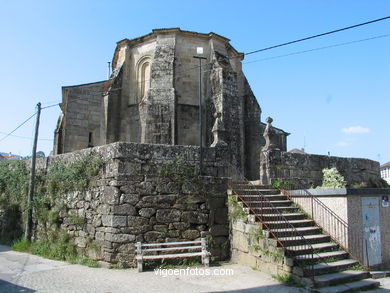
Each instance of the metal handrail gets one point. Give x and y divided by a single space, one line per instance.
352 243
279 217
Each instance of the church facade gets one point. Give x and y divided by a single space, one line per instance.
152 96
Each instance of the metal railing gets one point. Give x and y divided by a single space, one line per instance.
276 225
336 227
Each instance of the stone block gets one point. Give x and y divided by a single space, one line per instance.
190 234
219 230
120 238
152 236
124 209
195 217
114 221
168 215
111 195
146 212
130 198
221 215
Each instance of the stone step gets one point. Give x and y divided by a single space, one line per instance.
286 232
272 210
307 240
257 197
288 217
294 223
267 203
317 247
324 257
339 278
246 185
252 191
325 268
357 286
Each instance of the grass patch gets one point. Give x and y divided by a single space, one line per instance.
258 234
236 212
288 280
358 267
59 247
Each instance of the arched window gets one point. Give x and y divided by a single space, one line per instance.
143 77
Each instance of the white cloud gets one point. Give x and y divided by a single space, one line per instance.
343 143
355 129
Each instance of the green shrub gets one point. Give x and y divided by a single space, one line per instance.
332 179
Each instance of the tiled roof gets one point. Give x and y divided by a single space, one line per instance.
387 165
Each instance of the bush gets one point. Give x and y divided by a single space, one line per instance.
332 179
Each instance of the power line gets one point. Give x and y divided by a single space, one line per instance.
318 49
26 137
318 35
20 125
50 106
269 48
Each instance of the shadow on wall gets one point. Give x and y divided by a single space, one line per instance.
12 288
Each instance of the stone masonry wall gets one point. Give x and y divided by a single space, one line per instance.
308 168
82 119
132 201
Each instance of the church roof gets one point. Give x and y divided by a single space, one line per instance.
178 30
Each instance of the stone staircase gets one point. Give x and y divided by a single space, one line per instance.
313 257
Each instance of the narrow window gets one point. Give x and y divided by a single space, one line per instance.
90 140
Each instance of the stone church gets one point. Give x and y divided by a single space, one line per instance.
152 96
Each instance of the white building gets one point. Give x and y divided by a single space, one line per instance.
385 172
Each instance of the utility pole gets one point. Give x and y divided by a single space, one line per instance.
31 186
199 50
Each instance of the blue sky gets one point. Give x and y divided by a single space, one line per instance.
335 99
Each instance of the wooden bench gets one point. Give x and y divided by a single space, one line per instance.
182 249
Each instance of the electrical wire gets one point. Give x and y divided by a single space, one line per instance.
318 35
318 49
20 125
26 137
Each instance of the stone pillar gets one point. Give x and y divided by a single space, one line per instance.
157 111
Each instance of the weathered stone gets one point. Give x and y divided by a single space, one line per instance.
120 238
99 236
137 221
130 198
221 215
97 221
195 217
191 234
124 209
111 195
168 215
146 212
219 230
174 233
179 225
80 241
152 236
161 228
157 201
114 221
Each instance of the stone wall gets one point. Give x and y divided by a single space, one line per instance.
81 125
136 198
307 168
258 253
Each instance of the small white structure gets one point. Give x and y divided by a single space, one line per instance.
385 172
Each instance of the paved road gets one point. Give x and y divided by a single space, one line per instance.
21 272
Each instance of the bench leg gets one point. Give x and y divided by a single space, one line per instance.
139 265
205 260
